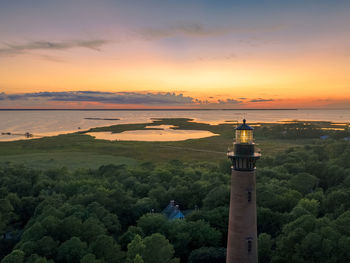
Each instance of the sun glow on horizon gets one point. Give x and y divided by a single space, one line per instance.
297 64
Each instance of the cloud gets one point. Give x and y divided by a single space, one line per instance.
195 29
261 100
183 28
15 49
51 58
230 101
106 97
120 98
230 56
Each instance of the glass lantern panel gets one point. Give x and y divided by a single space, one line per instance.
244 136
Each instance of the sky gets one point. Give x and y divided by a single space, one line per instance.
174 54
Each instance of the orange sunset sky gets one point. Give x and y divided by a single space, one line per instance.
174 54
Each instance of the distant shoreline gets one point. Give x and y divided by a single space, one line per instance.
103 119
145 109
183 109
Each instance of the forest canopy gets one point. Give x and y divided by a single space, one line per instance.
113 213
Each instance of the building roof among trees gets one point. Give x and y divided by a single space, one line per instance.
172 211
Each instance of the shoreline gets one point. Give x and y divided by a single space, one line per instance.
142 126
185 109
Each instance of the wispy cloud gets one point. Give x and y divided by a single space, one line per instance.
261 100
51 58
15 49
230 56
195 29
183 28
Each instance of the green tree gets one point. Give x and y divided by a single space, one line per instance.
342 223
270 221
306 206
34 232
308 239
153 223
135 247
69 227
91 229
129 235
90 258
72 250
138 259
52 226
16 256
6 211
28 247
304 182
337 202
34 258
104 247
158 249
218 196
265 244
207 255
47 247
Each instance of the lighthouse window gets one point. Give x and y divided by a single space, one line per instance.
249 246
249 196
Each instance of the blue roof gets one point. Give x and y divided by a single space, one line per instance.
172 211
176 215
169 210
244 126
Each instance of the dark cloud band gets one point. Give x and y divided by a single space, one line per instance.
261 100
122 98
14 49
105 97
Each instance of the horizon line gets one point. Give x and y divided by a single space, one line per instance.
164 109
141 109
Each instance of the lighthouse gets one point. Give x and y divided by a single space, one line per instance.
242 246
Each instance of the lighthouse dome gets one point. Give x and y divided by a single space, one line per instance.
244 126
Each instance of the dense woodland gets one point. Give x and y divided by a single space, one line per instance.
112 214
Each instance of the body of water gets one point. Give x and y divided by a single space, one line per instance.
164 134
50 123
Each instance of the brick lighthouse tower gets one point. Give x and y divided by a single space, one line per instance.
242 244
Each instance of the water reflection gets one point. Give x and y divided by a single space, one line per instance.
50 123
165 133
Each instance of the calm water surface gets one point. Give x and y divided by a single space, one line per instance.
165 134
49 123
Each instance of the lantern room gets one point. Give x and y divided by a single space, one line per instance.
244 134
243 154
